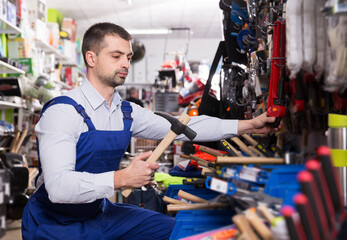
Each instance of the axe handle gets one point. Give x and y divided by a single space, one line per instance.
163 145
191 197
14 142
248 160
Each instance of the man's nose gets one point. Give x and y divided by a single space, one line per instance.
126 63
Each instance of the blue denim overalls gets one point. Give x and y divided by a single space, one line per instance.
97 151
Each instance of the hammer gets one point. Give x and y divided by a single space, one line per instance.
178 126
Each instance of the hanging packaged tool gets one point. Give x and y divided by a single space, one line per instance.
250 174
276 105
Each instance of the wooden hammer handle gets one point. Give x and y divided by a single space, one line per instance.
175 208
191 197
250 139
173 201
248 160
242 146
244 226
210 151
163 145
258 225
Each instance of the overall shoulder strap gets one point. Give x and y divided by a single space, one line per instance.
127 110
70 101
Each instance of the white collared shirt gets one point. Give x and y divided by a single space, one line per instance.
59 129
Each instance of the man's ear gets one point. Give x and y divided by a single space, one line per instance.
91 58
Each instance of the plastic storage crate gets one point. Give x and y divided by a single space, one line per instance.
192 222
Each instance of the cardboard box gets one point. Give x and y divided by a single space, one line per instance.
19 48
11 13
3 9
70 27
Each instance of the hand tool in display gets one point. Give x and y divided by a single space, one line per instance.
244 227
250 174
258 224
315 168
334 185
191 197
248 160
243 146
173 201
257 146
310 189
178 126
200 161
252 199
307 218
208 150
267 214
276 100
198 183
15 141
294 226
230 148
21 140
208 205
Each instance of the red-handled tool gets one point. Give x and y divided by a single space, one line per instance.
294 226
306 216
276 104
309 188
315 168
334 185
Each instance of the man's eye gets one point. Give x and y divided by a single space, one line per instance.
116 57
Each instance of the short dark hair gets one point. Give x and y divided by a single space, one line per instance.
94 37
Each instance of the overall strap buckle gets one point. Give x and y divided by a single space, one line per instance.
127 110
82 112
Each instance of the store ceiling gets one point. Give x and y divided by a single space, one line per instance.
202 17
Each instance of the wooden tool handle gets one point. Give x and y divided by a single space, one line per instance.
210 151
173 201
242 146
20 141
163 145
266 213
14 141
178 207
244 227
250 140
258 225
234 149
200 161
191 197
255 151
248 160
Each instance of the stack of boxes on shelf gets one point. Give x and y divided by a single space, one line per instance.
46 38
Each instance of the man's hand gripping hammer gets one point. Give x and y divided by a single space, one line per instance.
178 126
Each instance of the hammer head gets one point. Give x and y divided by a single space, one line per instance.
178 127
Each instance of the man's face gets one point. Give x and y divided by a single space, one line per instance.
113 61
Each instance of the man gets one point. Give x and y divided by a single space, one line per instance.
82 137
134 96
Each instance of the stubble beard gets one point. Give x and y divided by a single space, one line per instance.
112 80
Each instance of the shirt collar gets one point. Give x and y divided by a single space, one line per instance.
94 97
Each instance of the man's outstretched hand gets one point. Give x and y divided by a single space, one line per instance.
260 124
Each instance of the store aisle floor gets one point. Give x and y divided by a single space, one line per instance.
13 230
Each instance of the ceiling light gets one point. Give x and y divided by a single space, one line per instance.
149 31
